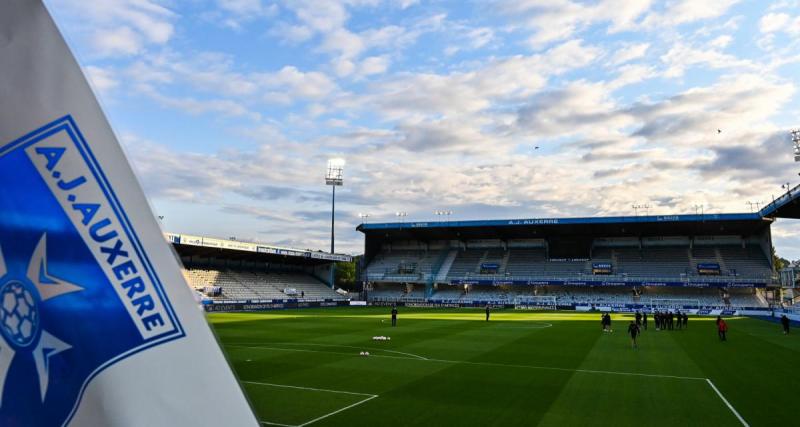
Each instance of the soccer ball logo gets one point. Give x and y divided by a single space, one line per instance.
19 316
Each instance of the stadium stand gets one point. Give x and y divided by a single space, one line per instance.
664 262
700 259
234 272
247 285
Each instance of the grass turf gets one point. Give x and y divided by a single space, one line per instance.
450 367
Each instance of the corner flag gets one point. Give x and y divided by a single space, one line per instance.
97 325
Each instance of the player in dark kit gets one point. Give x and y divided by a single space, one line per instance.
785 323
394 315
633 330
685 320
644 320
638 319
678 318
487 312
657 316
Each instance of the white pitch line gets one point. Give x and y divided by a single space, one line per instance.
337 411
270 423
309 388
369 397
351 346
728 404
502 365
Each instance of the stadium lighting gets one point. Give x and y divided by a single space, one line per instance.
443 213
364 216
334 177
699 208
756 204
786 187
636 208
401 215
796 141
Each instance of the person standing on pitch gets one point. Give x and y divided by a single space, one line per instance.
722 329
633 330
644 319
487 312
638 318
685 320
678 318
394 315
785 323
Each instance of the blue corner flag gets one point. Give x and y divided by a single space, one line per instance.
97 324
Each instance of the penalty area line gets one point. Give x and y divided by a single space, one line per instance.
728 404
322 417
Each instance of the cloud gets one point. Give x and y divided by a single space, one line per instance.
102 79
224 90
628 52
686 11
553 21
773 22
120 27
682 57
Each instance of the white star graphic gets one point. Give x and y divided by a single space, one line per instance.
48 345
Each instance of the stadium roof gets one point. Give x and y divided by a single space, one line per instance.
707 224
234 249
785 206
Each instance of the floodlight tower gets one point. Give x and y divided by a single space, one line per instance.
636 208
796 141
401 215
335 178
445 213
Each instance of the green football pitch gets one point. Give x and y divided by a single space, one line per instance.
451 368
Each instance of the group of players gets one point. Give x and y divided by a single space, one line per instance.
664 320
669 320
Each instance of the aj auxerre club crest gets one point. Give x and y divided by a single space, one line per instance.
77 292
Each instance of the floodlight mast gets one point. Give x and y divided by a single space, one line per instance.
796 141
334 177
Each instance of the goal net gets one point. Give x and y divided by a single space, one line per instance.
525 302
667 303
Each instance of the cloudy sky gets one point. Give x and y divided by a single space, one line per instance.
230 109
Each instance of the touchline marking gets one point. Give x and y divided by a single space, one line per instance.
728 404
367 399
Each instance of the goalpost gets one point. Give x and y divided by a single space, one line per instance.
534 302
668 303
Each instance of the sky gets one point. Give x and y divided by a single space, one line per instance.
229 110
